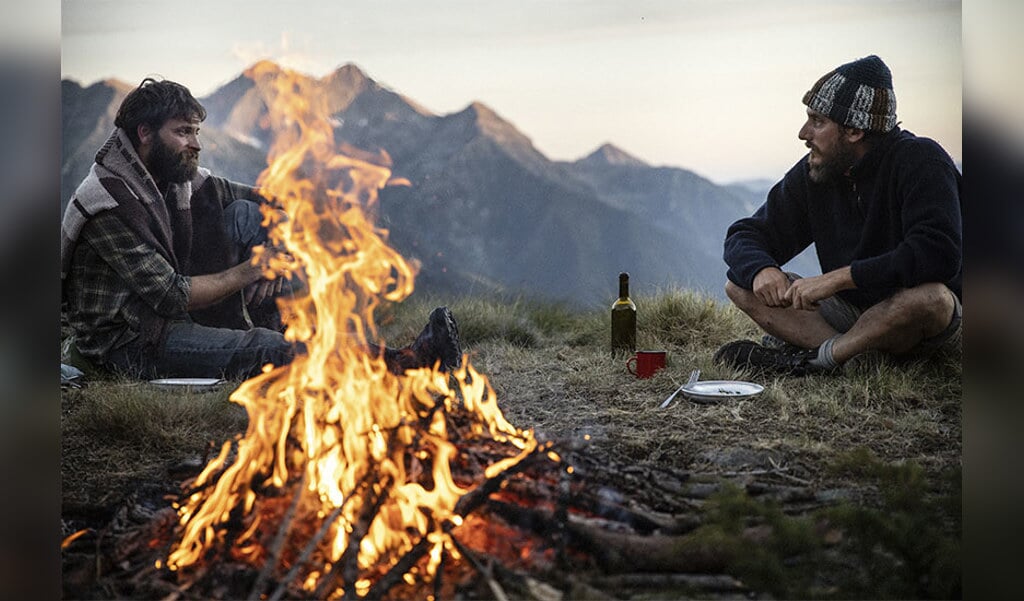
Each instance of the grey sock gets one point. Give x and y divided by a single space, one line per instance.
825 358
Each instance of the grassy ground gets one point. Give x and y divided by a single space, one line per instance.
889 436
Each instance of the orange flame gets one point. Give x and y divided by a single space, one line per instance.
336 419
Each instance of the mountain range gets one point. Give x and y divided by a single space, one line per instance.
486 212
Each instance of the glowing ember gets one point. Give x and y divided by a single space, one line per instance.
366 452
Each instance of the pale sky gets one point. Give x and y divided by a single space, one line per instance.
713 86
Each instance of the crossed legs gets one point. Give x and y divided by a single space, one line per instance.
896 325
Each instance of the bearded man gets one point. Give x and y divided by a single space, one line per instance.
883 209
156 274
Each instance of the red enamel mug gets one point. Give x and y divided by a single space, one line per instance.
645 363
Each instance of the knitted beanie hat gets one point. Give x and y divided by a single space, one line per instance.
858 94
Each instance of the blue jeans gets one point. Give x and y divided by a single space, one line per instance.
191 350
243 224
195 351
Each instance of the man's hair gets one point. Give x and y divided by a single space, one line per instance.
153 103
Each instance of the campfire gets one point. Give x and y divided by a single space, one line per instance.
345 471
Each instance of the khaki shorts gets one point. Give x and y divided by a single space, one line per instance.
842 314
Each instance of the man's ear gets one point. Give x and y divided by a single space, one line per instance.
145 133
853 135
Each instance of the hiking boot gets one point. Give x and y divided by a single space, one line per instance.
747 354
774 342
438 343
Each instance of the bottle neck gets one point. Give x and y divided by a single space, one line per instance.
623 288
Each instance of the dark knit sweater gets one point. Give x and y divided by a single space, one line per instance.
895 220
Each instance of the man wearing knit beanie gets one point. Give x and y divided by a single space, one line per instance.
882 207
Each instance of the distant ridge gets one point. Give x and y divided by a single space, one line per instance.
609 154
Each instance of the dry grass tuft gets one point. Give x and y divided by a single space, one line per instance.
117 433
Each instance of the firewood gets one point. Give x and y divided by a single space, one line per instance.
473 499
306 552
350 558
463 507
485 572
623 552
719 583
397 571
278 545
439 576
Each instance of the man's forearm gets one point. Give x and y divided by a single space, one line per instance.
211 288
841 279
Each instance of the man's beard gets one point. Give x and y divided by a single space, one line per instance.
170 167
832 166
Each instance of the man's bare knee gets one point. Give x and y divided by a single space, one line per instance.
929 306
938 306
741 297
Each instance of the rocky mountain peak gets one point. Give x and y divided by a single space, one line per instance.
609 154
483 114
488 122
351 74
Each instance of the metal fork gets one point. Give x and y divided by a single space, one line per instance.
694 375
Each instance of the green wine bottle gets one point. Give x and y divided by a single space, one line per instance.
623 319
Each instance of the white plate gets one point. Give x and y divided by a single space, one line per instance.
187 383
712 391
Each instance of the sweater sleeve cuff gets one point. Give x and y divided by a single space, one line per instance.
745 279
870 273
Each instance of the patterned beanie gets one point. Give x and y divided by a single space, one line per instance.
858 94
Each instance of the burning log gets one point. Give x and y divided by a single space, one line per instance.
349 559
306 552
499 593
467 504
278 545
398 571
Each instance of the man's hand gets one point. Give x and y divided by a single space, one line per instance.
770 285
273 261
806 293
248 275
260 291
